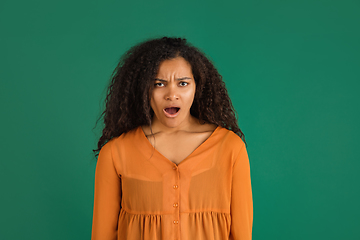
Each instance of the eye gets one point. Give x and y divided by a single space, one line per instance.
158 84
183 84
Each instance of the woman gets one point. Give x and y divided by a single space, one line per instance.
173 162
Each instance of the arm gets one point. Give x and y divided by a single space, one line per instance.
241 208
107 197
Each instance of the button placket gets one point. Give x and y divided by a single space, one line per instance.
177 200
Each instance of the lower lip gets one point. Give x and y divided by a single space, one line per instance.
171 115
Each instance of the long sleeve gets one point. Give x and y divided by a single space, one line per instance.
107 197
241 208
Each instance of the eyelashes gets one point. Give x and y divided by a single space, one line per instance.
157 84
160 84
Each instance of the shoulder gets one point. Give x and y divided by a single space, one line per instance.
235 146
231 139
114 152
122 140
206 127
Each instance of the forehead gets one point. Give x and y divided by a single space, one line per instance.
175 66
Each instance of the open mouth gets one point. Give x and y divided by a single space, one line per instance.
172 110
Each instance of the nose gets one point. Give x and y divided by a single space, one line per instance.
172 93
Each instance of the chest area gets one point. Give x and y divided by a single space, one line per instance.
178 148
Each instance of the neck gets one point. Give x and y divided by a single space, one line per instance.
186 126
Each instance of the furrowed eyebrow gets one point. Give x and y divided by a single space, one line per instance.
179 79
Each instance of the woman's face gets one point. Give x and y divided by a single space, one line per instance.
173 93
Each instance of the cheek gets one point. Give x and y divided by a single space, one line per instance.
190 96
154 101
152 104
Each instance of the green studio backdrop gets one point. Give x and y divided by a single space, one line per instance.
292 71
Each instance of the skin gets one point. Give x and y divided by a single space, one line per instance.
174 85
176 137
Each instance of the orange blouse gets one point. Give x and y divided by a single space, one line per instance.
140 194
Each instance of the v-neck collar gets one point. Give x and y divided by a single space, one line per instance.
149 149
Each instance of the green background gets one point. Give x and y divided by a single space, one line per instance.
292 71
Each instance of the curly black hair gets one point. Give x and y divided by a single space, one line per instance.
128 96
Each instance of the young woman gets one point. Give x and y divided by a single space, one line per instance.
173 162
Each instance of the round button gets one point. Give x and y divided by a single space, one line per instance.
176 222
175 186
174 168
175 205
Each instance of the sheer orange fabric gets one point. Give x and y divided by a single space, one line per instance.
140 194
